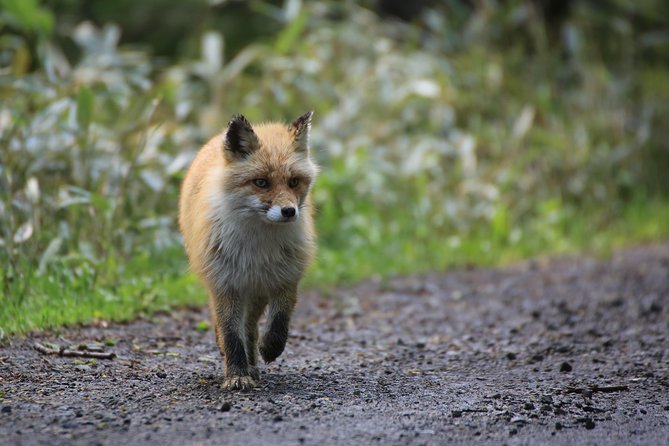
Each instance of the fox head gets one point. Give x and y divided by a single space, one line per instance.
269 171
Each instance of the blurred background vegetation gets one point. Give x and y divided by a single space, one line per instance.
449 132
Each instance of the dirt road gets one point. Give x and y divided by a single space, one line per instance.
568 351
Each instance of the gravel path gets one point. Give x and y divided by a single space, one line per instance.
567 351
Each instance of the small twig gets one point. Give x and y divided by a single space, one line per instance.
608 389
74 353
596 388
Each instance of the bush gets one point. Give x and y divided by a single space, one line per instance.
440 144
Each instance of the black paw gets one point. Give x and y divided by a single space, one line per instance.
271 348
254 373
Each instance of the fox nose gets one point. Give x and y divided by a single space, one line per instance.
288 212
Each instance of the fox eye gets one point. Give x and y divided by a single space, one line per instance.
261 183
293 182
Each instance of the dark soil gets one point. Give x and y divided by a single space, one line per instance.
567 351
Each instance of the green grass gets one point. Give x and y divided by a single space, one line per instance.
75 295
569 234
69 294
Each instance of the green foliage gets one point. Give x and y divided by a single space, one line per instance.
27 15
471 136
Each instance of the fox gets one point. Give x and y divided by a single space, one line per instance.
246 216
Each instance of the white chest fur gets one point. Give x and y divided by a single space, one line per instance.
253 257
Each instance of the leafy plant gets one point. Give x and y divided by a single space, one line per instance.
441 143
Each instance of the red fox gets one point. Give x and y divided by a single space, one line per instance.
246 217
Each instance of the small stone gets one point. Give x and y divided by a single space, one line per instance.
513 431
518 420
558 426
546 399
162 375
7 409
69 425
456 413
225 407
277 418
566 367
589 424
420 344
511 356
529 406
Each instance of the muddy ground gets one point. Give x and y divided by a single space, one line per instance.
567 351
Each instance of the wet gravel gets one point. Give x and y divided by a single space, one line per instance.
564 351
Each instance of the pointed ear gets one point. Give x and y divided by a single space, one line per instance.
300 129
240 139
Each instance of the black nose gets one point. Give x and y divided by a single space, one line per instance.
288 212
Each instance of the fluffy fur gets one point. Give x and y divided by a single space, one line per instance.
246 217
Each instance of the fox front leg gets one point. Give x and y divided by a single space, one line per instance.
232 327
278 319
256 310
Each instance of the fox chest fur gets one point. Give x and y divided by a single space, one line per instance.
251 258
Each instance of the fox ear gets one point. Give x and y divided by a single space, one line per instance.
300 129
240 139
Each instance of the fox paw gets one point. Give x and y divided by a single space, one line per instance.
271 350
244 383
254 372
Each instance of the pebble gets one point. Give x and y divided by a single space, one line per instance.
529 406
566 367
7 409
161 375
518 420
277 418
589 424
225 407
546 399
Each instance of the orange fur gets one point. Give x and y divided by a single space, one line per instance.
239 239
